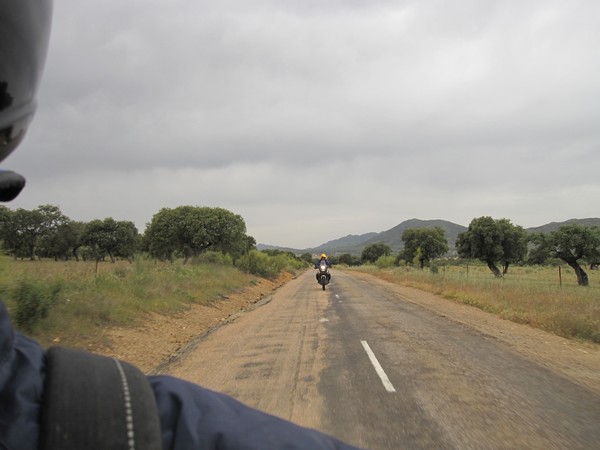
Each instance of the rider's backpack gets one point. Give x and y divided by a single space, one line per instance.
95 402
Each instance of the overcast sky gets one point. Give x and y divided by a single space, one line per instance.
316 119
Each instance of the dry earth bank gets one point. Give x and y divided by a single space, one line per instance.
161 337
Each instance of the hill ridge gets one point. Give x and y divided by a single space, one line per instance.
354 244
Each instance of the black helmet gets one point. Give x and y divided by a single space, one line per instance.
24 32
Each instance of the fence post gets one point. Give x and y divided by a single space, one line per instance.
559 277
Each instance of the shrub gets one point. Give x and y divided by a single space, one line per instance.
346 259
33 301
211 257
256 263
264 265
383 262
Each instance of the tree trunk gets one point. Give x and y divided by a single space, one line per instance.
494 269
582 277
505 267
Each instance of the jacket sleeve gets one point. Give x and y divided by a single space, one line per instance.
21 385
193 417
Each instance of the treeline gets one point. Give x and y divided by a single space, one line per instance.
189 231
496 242
182 232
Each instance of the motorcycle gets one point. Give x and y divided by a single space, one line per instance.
323 275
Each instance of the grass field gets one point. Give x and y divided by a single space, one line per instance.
49 298
542 297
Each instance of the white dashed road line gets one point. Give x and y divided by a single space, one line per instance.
384 379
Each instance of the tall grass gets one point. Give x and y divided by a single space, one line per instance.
119 294
538 296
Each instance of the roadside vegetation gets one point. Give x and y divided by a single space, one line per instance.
76 300
68 280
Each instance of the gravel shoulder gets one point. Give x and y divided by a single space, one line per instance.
162 338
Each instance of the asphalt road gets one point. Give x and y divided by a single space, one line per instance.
362 363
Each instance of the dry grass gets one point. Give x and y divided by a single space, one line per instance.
536 296
119 294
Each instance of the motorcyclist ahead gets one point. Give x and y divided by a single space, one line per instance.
323 258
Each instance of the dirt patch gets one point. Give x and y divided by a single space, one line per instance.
161 337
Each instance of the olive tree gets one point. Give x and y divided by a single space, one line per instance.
373 252
187 231
514 243
572 244
348 259
110 237
24 231
424 244
62 242
493 241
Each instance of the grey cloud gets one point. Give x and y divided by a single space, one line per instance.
425 97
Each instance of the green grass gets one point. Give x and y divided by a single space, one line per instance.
119 294
535 296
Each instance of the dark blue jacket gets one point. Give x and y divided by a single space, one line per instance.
191 417
326 262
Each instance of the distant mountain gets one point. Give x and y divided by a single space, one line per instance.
393 236
283 249
354 244
347 244
553 226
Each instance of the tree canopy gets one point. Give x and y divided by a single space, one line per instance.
187 231
24 231
572 244
110 237
372 252
424 244
346 258
493 241
180 232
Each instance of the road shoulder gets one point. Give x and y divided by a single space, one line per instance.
161 338
580 361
